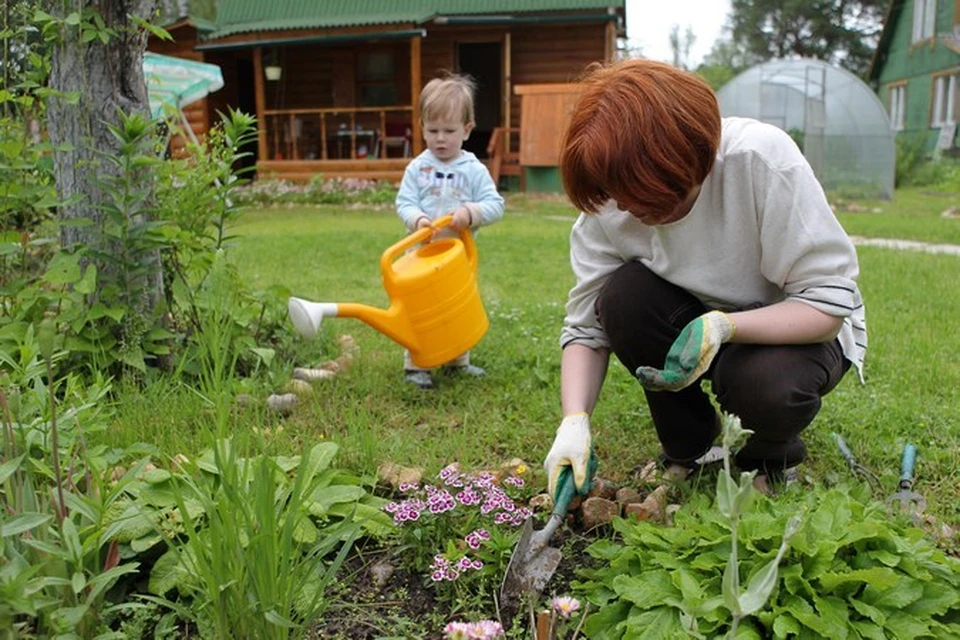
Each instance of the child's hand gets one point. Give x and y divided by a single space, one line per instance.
461 219
423 222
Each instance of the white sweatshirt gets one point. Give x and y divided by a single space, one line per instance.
761 231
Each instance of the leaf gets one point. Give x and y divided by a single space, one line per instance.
726 494
88 283
785 625
656 624
64 268
23 523
375 521
879 577
759 588
9 467
905 592
730 590
322 498
647 590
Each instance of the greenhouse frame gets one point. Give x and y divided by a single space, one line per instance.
835 118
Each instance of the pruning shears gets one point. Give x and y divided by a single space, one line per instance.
856 468
906 499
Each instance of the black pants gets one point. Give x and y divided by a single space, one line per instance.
774 389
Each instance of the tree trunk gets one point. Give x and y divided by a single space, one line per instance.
108 78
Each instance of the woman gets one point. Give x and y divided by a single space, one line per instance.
706 249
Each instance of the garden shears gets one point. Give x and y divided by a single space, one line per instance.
856 468
906 500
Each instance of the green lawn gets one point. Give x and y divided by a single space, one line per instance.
332 253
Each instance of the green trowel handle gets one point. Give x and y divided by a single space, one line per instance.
567 488
907 462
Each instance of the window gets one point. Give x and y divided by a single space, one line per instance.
897 106
944 110
924 19
377 79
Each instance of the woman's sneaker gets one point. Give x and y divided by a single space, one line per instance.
419 377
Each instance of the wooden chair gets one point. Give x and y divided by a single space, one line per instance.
396 135
502 160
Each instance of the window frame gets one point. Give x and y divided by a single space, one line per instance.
897 105
924 25
944 98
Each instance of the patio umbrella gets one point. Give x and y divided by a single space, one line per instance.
173 83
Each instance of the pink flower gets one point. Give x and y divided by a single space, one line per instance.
565 605
482 630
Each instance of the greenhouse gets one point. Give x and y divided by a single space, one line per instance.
834 117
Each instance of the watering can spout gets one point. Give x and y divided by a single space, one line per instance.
307 316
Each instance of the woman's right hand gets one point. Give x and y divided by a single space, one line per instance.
570 448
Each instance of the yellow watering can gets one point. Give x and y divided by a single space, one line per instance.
435 309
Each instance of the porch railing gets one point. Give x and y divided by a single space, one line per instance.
339 133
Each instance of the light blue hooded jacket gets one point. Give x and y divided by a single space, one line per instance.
433 188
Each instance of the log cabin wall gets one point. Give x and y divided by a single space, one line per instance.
198 113
540 54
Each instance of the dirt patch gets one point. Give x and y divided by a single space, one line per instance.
368 604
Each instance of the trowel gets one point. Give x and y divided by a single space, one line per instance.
534 561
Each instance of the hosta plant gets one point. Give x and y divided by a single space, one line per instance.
851 571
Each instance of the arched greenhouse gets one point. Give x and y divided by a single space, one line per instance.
836 119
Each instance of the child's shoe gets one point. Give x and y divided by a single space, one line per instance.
420 378
469 370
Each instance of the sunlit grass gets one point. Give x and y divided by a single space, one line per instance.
330 253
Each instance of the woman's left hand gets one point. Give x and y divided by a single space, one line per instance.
691 353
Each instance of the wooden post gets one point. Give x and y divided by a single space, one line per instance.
507 89
610 41
415 84
261 104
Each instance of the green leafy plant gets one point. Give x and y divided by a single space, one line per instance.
847 570
56 566
258 536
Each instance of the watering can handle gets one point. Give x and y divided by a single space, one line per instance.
422 235
907 463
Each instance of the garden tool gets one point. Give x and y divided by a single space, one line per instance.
906 500
856 468
435 308
534 561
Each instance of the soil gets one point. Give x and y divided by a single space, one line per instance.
403 605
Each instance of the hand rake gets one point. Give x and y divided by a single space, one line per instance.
906 500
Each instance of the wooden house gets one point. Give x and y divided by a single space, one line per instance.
335 84
915 70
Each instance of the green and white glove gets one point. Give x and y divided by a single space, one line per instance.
570 448
691 353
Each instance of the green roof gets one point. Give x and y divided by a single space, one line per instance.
242 16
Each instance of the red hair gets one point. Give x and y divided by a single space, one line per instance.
642 133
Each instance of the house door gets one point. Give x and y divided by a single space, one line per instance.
482 61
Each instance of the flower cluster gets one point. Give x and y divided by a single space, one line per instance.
443 569
481 630
460 489
465 495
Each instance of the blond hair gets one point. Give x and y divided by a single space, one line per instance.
449 97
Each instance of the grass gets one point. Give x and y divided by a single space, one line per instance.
332 254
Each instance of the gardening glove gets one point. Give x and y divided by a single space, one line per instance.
691 353
570 448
